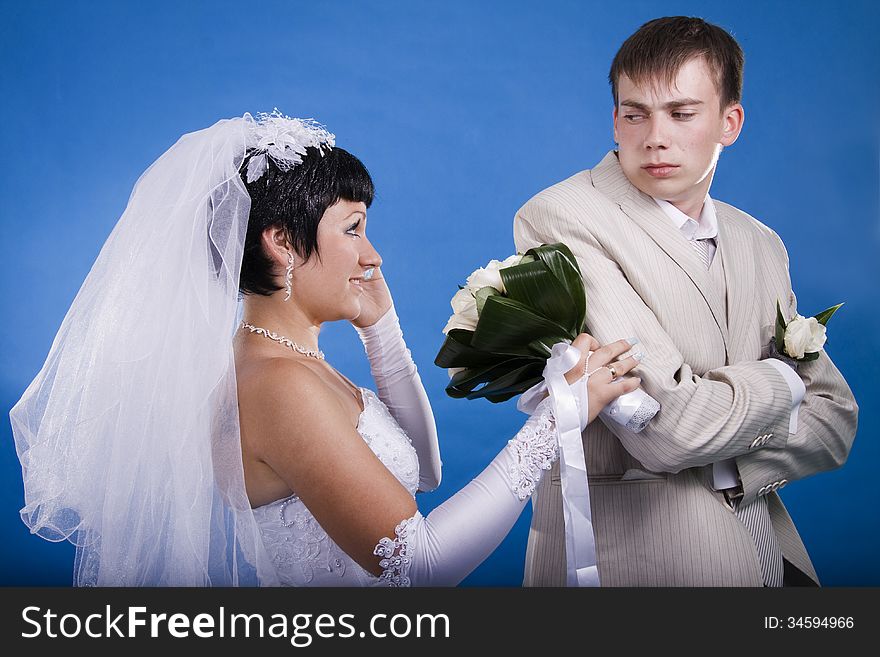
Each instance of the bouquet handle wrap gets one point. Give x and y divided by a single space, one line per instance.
580 540
632 411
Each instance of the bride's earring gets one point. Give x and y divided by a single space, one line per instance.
288 276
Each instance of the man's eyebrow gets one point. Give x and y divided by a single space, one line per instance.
672 104
635 104
682 102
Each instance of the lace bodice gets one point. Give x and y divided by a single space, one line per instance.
302 552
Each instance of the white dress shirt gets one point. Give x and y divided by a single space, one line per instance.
725 473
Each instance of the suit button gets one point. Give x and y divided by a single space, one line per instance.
783 482
754 443
762 490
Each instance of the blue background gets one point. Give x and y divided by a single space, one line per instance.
461 111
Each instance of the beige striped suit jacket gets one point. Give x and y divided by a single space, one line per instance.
658 521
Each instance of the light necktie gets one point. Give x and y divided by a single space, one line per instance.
755 516
705 248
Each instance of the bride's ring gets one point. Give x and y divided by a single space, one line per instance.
603 367
368 273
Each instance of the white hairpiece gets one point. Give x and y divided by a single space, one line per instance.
285 140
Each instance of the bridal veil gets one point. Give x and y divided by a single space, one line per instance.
129 436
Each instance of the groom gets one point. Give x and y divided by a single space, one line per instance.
691 500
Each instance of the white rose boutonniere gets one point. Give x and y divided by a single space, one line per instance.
802 338
804 335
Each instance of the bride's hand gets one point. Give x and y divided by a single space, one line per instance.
603 386
375 300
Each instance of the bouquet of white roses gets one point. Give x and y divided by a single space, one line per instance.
508 336
506 320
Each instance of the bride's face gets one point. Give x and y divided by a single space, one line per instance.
329 287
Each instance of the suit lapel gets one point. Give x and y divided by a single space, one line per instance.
734 247
609 178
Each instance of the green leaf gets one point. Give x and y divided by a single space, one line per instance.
466 382
543 346
780 318
482 294
813 355
457 351
535 286
560 260
499 393
507 326
474 376
512 378
498 397
826 314
780 329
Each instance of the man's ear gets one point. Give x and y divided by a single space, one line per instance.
733 119
614 119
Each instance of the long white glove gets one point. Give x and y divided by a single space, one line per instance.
400 389
444 547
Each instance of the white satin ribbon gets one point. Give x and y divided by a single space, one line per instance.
580 541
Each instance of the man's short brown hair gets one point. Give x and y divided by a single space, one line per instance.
659 48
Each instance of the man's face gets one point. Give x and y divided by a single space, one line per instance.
670 137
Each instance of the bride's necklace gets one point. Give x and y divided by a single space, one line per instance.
305 351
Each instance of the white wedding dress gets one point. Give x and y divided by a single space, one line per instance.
302 552
444 547
398 425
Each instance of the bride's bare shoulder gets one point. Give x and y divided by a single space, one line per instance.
286 407
295 383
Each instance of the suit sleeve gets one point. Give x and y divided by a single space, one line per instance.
826 427
703 419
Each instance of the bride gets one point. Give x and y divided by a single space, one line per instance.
171 455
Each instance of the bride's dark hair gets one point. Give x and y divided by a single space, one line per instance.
295 200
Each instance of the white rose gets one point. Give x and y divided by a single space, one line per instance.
464 308
511 261
803 335
487 276
490 276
